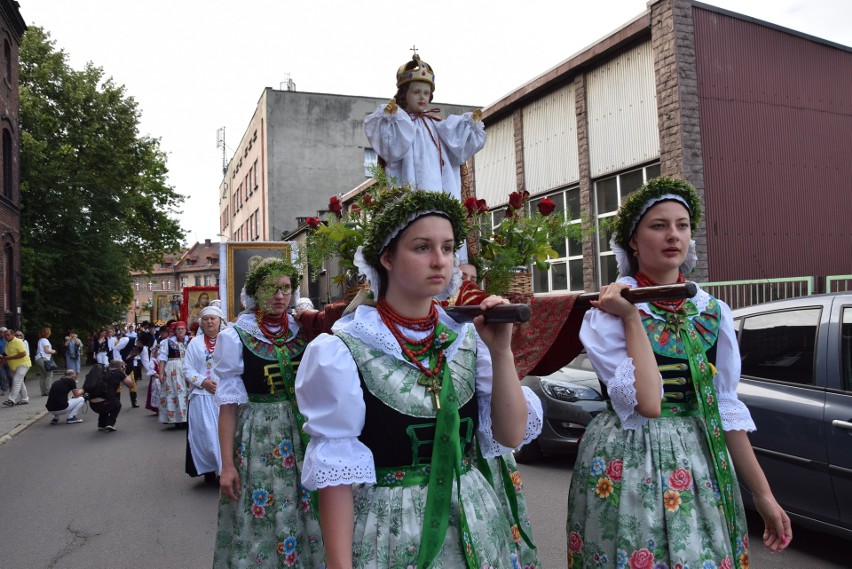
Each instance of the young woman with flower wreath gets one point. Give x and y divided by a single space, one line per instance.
266 517
654 482
400 399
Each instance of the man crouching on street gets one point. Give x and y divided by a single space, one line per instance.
106 403
58 402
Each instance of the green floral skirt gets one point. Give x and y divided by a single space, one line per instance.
501 468
389 522
273 524
649 498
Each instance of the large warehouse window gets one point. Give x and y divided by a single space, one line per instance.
609 193
566 271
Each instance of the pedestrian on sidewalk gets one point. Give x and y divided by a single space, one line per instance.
107 404
4 375
17 358
73 348
44 354
58 402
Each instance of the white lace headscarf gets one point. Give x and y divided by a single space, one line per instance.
623 257
372 275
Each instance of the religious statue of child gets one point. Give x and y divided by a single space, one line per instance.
419 148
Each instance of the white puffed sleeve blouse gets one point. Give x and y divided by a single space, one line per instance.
329 395
603 336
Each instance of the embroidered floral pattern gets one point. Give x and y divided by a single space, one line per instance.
622 514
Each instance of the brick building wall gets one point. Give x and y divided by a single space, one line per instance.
12 27
673 42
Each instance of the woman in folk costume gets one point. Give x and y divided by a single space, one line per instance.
393 378
266 517
419 148
149 370
173 387
202 438
654 481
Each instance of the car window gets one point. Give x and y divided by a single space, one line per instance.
582 362
780 345
846 348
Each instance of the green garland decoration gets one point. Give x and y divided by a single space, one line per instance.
396 208
630 210
268 267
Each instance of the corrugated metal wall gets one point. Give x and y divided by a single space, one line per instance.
495 164
776 134
622 111
550 142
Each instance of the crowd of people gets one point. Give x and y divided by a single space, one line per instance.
384 440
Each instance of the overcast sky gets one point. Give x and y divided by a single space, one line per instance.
195 66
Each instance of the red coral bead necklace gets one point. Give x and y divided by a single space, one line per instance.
266 322
394 321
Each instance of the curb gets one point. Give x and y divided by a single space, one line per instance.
22 427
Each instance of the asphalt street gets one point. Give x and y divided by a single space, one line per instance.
78 498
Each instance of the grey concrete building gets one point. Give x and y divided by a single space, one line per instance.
298 150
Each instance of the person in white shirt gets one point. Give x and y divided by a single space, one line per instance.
44 354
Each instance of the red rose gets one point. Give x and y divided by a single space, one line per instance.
546 206
641 559
575 542
354 209
313 222
516 200
481 206
335 206
680 479
471 206
367 200
613 470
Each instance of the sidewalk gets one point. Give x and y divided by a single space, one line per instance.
15 419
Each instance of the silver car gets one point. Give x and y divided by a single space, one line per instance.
570 397
797 383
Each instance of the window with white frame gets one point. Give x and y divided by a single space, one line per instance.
566 271
371 158
609 194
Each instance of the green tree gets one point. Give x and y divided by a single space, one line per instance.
94 199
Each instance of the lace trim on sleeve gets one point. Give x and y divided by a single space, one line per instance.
491 448
230 391
734 413
335 462
622 394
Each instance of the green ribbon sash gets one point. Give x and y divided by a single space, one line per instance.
707 401
445 467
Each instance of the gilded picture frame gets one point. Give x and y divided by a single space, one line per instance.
238 257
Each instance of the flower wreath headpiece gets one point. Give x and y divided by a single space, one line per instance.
637 204
398 214
267 267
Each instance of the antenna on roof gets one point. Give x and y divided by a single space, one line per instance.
289 84
220 143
